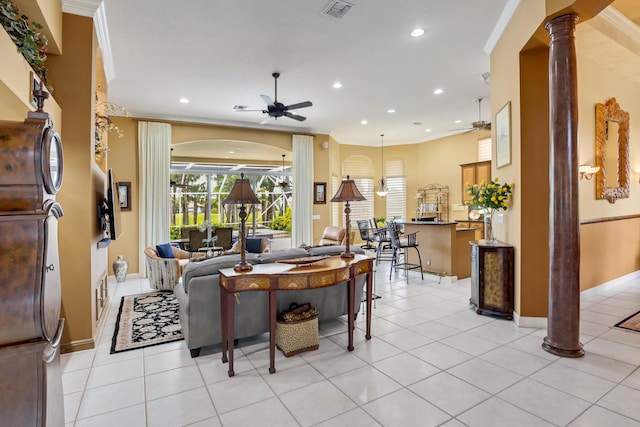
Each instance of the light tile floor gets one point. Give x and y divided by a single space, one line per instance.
432 361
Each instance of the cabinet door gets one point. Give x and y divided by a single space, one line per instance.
468 175
483 172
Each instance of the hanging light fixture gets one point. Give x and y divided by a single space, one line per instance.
284 184
383 183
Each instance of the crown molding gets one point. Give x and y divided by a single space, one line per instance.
102 33
503 21
81 7
621 23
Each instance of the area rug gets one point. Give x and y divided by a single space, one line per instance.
632 322
145 320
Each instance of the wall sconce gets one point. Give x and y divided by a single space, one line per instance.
587 172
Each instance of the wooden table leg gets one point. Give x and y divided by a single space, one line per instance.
272 332
369 299
223 325
231 317
350 312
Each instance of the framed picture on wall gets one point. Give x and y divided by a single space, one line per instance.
124 195
503 136
319 193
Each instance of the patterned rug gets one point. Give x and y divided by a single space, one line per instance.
145 320
632 322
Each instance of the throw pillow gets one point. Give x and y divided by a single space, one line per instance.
254 245
165 251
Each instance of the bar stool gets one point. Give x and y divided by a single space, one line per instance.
384 251
400 247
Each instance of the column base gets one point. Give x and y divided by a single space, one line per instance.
547 346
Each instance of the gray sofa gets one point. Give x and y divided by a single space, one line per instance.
199 296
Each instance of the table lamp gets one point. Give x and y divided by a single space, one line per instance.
242 194
347 192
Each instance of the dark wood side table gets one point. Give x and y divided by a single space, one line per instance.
492 278
290 277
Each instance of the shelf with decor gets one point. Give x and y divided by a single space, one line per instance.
433 203
16 84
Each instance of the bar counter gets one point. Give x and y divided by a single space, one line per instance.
444 248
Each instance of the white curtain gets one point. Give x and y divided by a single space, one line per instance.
154 150
302 169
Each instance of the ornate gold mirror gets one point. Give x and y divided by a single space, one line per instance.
612 151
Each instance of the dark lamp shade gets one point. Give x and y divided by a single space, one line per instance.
348 192
241 193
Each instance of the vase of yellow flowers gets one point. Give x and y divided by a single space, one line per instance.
491 196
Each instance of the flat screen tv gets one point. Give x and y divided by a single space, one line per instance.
113 223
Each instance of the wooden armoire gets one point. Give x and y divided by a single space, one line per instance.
31 166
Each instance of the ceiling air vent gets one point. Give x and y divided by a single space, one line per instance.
337 8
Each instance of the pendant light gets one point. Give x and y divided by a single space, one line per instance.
383 183
284 184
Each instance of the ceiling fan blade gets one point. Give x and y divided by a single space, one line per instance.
293 116
299 105
239 110
267 99
267 119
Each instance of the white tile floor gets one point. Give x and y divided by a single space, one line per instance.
432 361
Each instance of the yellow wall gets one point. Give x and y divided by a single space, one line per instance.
82 264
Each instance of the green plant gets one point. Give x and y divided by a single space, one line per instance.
490 195
282 222
27 37
380 220
174 232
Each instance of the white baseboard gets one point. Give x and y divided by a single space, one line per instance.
529 322
610 284
541 322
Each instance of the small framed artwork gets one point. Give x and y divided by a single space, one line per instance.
124 195
503 136
319 193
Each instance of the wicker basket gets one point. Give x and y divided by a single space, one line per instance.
295 336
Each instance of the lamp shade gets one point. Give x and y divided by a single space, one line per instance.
348 192
241 193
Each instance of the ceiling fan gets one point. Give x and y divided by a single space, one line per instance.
277 109
480 124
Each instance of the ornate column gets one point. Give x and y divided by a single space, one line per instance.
563 330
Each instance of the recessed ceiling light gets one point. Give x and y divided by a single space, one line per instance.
438 91
184 101
363 122
427 130
458 121
391 110
337 85
417 32
232 152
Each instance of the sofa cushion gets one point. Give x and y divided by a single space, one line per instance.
165 251
211 266
333 250
270 257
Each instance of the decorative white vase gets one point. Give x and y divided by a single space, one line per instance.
120 268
